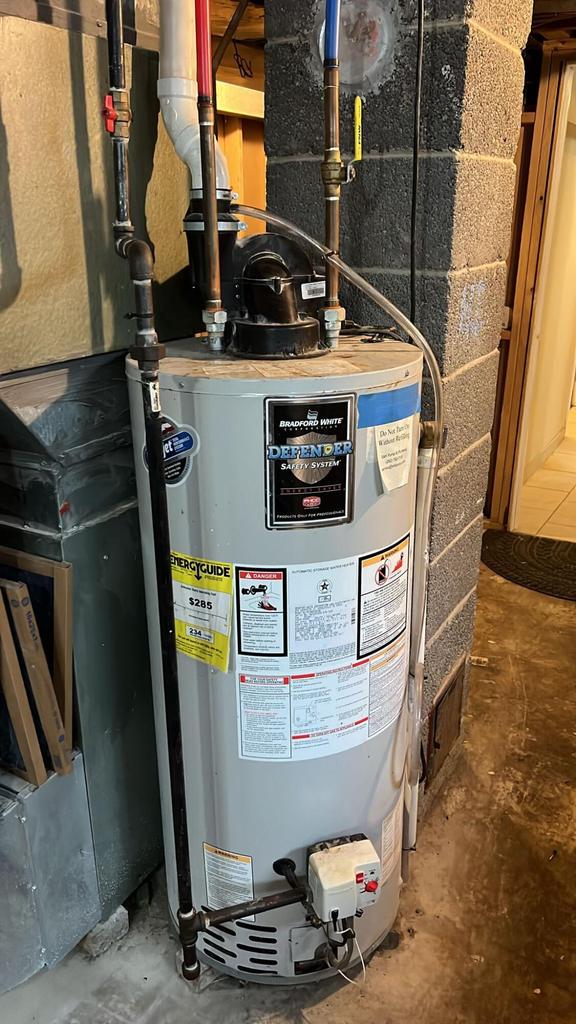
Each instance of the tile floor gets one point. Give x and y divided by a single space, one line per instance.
548 501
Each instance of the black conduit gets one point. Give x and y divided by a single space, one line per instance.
147 352
415 159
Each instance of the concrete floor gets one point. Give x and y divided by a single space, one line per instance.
487 932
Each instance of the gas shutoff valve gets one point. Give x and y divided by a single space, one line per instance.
344 876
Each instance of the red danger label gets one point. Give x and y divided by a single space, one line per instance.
254 575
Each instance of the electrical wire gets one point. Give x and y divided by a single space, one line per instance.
416 158
351 981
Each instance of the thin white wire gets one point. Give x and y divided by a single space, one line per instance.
359 984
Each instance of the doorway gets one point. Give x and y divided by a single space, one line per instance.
543 493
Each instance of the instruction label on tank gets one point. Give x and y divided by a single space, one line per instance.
391 841
202 592
309 456
229 878
261 611
319 698
313 714
383 597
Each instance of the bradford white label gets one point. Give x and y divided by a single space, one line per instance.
309 461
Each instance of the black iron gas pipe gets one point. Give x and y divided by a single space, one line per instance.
147 352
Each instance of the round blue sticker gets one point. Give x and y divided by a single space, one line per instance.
180 445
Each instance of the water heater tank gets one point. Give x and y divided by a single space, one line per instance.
291 492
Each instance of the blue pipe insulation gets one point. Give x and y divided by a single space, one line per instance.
332 30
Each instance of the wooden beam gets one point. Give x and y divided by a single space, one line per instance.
250 27
239 101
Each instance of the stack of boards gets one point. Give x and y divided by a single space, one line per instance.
35 666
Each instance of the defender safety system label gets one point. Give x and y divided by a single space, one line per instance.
202 592
229 878
179 445
309 461
342 676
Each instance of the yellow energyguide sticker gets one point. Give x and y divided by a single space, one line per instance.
202 592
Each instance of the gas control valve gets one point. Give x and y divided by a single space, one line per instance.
344 876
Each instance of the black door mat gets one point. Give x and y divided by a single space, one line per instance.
538 563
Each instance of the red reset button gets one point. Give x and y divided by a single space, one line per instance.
371 886
359 877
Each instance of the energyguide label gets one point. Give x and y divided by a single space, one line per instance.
322 653
202 592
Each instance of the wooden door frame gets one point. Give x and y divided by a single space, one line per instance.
533 343
555 57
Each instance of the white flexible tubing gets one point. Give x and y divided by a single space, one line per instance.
428 472
178 89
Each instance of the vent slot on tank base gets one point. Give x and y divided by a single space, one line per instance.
252 949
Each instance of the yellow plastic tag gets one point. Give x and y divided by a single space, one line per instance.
358 128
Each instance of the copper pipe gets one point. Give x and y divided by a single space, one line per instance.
209 203
332 173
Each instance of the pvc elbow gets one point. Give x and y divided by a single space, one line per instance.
178 103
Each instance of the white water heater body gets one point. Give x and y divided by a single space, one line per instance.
291 493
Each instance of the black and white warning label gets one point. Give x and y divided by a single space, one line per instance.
303 692
229 877
383 597
261 611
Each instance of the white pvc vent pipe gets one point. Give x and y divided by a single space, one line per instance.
178 89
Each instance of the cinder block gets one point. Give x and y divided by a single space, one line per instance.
492 104
469 405
107 933
294 190
512 21
286 18
375 222
460 314
294 111
388 112
473 315
294 106
453 575
447 648
376 213
483 203
460 495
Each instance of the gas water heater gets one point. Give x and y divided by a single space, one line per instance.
285 485
291 497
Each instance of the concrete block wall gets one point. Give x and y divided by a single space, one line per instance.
471 106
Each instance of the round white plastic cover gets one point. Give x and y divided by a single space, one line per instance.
368 32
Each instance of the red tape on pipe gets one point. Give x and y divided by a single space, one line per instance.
203 48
